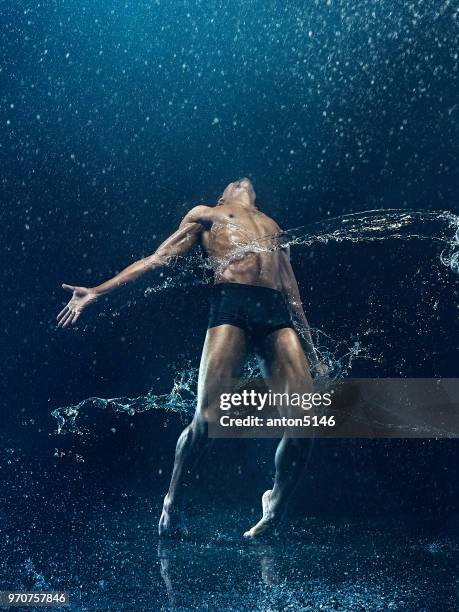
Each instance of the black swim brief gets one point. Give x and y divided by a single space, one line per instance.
257 310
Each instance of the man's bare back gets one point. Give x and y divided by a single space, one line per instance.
242 244
240 241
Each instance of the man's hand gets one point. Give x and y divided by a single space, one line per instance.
81 297
316 365
321 369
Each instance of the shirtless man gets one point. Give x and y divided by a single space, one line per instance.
254 297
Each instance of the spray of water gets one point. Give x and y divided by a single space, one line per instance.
441 228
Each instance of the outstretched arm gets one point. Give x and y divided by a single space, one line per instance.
292 292
179 243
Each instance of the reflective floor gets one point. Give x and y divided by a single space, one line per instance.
103 549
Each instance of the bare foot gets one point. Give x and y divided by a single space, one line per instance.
171 523
268 521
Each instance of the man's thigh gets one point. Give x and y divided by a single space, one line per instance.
283 362
223 354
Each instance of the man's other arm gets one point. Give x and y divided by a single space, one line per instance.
292 292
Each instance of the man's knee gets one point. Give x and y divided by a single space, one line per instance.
198 429
211 392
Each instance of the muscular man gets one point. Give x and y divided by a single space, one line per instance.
253 299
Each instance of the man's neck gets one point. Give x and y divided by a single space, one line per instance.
245 203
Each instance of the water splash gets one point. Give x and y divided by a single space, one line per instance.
441 228
339 355
189 271
181 400
369 226
381 224
438 227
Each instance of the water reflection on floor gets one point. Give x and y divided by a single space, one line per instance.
106 553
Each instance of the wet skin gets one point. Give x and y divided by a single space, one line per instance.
243 246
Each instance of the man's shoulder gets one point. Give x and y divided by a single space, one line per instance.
199 214
200 209
272 222
277 231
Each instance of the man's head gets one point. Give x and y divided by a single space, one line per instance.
241 191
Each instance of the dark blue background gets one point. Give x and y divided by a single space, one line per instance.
117 117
